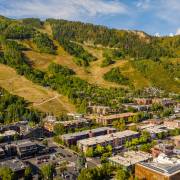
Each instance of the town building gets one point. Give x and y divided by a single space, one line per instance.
108 120
176 140
162 148
163 101
50 123
172 124
155 130
26 148
33 133
75 115
177 108
143 101
103 110
2 153
116 140
155 121
22 129
130 158
162 168
72 138
137 107
17 166
81 122
8 135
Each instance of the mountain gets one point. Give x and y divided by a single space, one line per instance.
84 62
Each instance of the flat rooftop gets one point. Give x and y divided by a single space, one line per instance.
15 164
166 169
73 135
156 129
164 165
25 143
81 120
130 158
8 133
176 137
117 116
108 137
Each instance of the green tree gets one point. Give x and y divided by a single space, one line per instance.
28 173
121 175
104 157
109 148
99 149
81 161
145 147
59 129
90 152
47 171
135 141
6 173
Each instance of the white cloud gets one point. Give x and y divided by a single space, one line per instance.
171 34
66 9
143 4
168 10
157 34
178 31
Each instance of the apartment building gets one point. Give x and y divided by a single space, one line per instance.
17 166
76 123
70 139
162 148
130 158
8 135
116 140
108 120
26 148
143 101
176 140
172 124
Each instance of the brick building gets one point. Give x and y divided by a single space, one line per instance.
143 101
162 168
162 148
72 138
116 140
108 120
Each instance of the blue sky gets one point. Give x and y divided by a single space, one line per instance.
152 16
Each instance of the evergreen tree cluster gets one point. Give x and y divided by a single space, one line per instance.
128 42
83 58
14 109
115 75
61 79
44 43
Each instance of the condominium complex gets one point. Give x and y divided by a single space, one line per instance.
116 140
72 138
143 101
130 158
172 124
107 120
162 148
17 166
49 123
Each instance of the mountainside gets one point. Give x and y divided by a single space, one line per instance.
90 62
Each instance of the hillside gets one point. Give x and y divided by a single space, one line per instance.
100 58
40 98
